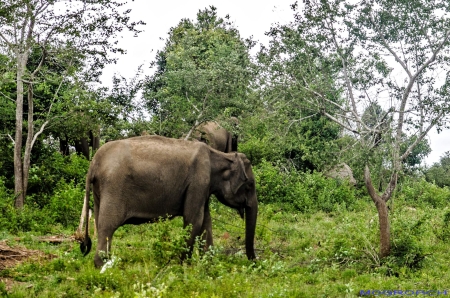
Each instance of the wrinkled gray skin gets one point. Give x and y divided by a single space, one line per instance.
216 136
141 179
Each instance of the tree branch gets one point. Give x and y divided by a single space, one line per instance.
421 136
391 187
41 130
297 120
193 105
368 181
6 40
340 123
384 43
11 138
346 77
7 97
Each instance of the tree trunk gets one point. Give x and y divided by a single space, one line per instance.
28 144
64 146
18 169
385 232
381 204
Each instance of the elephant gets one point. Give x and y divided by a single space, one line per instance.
142 179
216 136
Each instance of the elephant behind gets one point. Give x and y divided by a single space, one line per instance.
141 179
216 136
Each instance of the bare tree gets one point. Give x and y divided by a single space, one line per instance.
390 54
87 29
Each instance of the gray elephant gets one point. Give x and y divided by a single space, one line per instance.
216 136
141 179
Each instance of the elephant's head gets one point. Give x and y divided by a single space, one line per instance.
235 187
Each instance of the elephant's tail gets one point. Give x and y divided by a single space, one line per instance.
86 245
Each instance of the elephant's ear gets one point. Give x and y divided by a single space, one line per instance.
239 176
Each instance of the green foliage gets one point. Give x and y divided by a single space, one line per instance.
417 155
168 242
51 171
302 191
330 254
408 248
307 145
439 172
419 192
203 72
56 196
65 204
14 221
291 77
29 218
442 228
61 210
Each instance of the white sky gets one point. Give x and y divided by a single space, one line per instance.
250 17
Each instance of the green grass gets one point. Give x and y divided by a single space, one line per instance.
299 255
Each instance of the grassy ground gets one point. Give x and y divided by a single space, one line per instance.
299 255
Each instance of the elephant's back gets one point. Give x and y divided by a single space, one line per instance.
149 156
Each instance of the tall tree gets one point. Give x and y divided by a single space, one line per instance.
303 134
62 31
203 71
394 54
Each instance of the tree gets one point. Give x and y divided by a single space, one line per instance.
203 72
439 172
295 131
366 39
64 33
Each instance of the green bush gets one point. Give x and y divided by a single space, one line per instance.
408 250
66 203
63 208
442 228
12 219
45 175
302 191
26 219
419 192
168 241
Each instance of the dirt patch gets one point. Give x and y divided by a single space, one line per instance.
12 256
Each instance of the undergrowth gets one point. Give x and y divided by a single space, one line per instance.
328 248
299 255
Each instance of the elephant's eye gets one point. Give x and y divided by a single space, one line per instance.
226 175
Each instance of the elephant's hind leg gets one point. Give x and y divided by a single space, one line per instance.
107 224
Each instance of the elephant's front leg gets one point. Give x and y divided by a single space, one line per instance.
207 228
194 217
195 233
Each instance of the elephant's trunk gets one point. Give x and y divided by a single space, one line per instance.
251 213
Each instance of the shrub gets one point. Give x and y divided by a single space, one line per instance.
302 191
442 229
12 219
45 175
63 207
419 192
408 250
26 219
66 203
169 241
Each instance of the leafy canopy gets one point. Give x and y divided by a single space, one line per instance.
202 73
